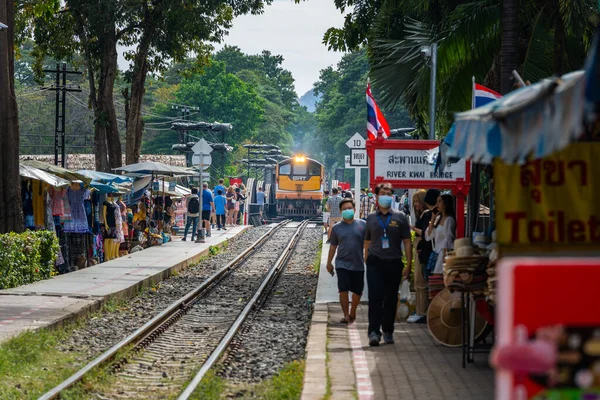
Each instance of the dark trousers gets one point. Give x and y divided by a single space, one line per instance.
383 278
220 220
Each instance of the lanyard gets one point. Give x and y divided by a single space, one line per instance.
389 218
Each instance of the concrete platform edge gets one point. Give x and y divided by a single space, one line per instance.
315 369
75 312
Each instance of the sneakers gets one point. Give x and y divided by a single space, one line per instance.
218 229
183 239
374 339
422 320
413 318
224 228
388 338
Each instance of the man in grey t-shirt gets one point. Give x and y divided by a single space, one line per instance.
347 237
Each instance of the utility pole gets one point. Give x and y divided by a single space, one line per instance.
61 109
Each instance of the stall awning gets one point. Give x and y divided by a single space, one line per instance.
56 170
535 120
37 174
104 177
155 168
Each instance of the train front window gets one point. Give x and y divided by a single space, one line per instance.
285 169
300 169
314 170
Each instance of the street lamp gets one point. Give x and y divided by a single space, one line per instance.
431 52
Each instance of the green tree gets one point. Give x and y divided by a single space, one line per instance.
549 36
342 110
220 96
11 214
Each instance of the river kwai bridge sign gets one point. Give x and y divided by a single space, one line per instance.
410 164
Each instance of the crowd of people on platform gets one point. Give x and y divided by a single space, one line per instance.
218 208
380 237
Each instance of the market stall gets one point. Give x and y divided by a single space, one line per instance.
541 141
150 211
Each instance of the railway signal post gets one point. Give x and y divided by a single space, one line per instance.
358 157
202 160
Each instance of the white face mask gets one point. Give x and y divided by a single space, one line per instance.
385 201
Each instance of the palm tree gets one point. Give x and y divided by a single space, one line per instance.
544 39
509 51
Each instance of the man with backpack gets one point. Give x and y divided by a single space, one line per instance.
193 211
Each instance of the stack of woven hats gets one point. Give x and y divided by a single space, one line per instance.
465 268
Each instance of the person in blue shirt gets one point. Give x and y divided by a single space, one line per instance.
220 202
207 207
219 187
260 200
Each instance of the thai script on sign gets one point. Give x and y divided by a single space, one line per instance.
552 173
551 201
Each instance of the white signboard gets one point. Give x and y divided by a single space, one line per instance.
202 147
347 161
415 165
358 158
206 161
356 142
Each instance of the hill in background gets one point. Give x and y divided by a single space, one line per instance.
309 100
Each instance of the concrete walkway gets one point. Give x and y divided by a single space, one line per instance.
327 291
340 364
65 297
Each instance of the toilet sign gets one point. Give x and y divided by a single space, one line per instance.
358 158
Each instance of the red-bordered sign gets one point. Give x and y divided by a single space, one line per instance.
407 164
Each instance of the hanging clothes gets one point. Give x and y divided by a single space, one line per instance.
87 205
78 222
123 209
119 225
58 200
37 189
95 199
27 198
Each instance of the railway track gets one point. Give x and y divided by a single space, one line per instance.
192 333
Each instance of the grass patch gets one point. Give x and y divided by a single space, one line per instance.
31 364
317 261
328 377
210 388
286 385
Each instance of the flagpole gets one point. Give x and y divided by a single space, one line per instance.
473 93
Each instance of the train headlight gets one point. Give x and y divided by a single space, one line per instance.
300 159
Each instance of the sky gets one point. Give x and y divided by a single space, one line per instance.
293 30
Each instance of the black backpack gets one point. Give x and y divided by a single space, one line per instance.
194 206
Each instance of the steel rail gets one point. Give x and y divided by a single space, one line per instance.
160 319
271 275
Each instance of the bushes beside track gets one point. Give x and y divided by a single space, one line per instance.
27 257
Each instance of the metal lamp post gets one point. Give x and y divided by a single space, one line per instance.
431 52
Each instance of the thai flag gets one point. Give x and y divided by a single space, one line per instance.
483 95
375 120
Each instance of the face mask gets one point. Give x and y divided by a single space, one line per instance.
370 195
348 214
385 201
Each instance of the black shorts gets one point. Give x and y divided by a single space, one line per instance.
350 281
205 215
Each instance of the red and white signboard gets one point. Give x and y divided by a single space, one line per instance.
548 321
410 164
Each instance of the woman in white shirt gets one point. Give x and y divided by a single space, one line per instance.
442 230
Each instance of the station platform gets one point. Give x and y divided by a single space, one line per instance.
340 364
66 297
